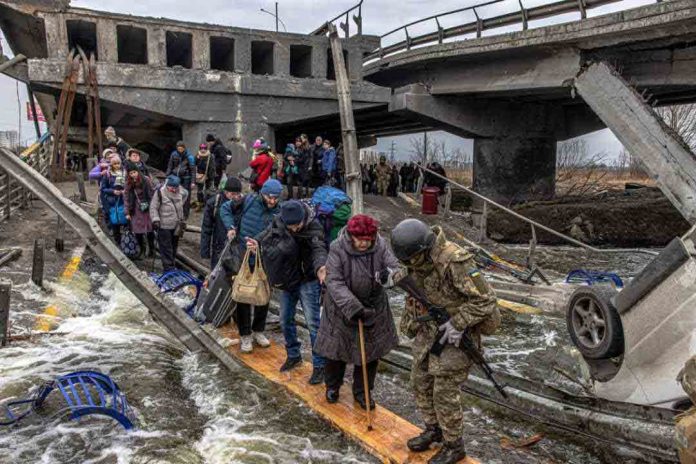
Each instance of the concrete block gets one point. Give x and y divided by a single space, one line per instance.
664 154
107 48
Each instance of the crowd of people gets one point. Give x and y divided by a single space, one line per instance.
336 274
341 286
388 179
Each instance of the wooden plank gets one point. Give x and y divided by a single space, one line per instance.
387 440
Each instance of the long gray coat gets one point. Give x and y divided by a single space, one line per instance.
351 286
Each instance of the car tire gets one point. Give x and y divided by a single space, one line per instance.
593 322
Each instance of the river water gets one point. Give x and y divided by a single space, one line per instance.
192 411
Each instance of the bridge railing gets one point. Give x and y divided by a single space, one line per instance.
355 11
523 17
12 195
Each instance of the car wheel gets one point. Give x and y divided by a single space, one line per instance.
594 323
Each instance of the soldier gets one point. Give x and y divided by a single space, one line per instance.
383 176
449 278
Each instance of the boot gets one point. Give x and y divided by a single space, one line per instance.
317 376
431 434
450 453
290 363
360 399
332 395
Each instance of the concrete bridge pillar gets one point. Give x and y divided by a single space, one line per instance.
515 169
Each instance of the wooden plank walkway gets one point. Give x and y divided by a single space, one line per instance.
387 440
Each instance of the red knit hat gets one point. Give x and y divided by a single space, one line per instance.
363 227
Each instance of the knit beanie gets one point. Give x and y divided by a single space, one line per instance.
272 187
233 184
173 181
292 212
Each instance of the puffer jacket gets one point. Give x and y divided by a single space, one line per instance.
168 208
256 216
106 190
293 258
350 287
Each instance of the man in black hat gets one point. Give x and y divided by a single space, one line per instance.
220 208
294 256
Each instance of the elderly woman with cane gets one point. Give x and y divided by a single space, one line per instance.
357 326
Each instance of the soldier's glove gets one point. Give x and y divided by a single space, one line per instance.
451 335
385 278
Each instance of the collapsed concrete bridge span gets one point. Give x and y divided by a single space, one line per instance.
162 80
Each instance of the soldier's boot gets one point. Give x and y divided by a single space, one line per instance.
431 434
450 453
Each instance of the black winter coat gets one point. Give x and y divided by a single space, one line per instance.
219 152
350 287
291 259
213 231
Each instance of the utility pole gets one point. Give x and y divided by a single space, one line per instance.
425 148
276 15
392 152
345 108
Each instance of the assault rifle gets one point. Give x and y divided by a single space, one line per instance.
441 316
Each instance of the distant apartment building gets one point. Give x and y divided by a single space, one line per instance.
9 139
369 156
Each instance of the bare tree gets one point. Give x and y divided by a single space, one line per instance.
422 149
682 120
577 170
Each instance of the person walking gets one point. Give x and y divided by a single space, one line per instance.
261 165
383 173
221 156
181 167
167 215
292 171
135 157
214 232
258 212
328 164
137 199
317 154
117 142
305 164
111 187
449 277
294 254
353 293
205 175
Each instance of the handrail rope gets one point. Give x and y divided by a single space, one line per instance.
534 223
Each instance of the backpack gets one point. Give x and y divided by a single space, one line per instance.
326 200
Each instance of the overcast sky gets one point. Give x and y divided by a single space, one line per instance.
302 16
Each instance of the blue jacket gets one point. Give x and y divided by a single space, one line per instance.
181 166
231 214
106 192
328 161
256 216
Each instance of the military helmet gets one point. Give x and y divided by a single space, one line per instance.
411 237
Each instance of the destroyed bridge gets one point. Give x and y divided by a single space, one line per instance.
516 94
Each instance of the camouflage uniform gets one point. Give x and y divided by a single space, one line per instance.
383 178
450 279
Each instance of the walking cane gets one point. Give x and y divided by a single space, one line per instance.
366 382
